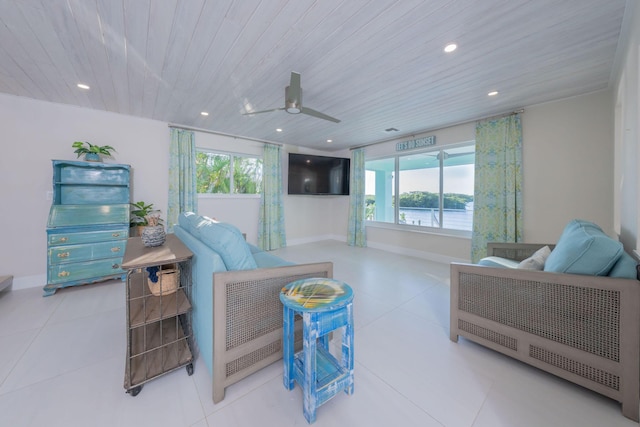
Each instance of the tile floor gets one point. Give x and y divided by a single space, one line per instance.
62 363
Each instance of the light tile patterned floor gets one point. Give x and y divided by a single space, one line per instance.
62 363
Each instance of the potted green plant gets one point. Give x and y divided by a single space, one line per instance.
140 213
91 152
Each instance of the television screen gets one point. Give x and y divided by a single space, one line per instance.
318 175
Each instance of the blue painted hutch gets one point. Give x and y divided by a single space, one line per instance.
88 223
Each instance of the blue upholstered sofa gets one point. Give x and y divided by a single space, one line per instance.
237 314
571 309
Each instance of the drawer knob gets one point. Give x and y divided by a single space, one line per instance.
63 239
115 266
63 254
115 235
63 274
115 249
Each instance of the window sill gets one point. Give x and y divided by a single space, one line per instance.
462 234
228 196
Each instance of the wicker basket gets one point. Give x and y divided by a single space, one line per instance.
168 281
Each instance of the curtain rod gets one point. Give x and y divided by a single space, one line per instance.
223 134
434 130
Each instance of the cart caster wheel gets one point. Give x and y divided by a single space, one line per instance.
134 391
190 369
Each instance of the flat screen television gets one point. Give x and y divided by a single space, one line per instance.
318 175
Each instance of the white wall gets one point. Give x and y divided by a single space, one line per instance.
36 132
627 138
567 168
567 165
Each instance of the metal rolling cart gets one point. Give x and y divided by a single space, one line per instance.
158 292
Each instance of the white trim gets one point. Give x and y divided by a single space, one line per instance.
429 256
448 232
314 239
27 282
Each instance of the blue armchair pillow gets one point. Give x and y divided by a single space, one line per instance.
223 238
583 248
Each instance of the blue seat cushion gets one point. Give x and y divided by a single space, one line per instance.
496 261
583 248
267 260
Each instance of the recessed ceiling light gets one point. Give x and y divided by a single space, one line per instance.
493 93
278 130
329 140
450 47
204 113
83 86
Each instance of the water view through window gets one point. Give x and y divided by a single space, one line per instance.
434 188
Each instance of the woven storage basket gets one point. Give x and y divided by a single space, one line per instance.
168 280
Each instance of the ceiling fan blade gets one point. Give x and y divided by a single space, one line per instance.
318 114
295 90
263 111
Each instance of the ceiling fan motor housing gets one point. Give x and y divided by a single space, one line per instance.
291 104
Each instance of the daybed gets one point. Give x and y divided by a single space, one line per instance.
237 314
577 318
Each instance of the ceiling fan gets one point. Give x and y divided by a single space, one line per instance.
293 102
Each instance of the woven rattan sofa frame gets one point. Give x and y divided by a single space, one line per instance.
247 319
535 317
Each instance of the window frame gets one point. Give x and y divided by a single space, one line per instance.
396 225
231 194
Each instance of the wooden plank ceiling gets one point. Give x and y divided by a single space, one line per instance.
374 64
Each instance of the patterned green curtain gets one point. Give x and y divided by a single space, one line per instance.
356 233
183 195
497 211
271 232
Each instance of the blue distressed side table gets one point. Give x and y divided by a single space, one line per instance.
325 305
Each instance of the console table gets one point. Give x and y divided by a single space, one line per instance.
158 310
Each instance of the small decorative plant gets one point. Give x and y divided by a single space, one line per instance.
139 212
92 152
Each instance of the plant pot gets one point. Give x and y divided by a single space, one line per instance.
92 157
153 236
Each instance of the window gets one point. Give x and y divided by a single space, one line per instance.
215 169
434 188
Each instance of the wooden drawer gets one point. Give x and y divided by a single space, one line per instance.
86 252
72 237
60 273
70 215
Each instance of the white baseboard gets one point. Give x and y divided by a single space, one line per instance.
430 256
314 239
26 282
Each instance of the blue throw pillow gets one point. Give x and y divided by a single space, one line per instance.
223 238
583 248
625 268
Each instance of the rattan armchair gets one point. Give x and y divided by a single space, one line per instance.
585 329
